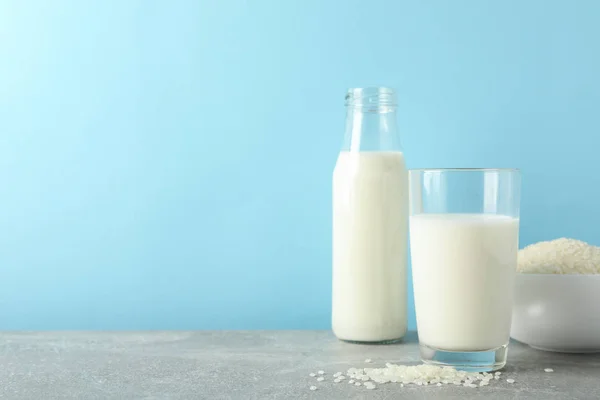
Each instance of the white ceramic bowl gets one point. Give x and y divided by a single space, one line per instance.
557 312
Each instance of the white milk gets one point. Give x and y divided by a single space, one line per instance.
370 224
463 274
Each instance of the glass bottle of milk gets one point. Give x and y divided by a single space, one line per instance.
370 222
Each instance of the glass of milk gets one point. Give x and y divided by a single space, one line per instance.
370 222
464 238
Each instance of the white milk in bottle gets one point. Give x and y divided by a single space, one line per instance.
370 223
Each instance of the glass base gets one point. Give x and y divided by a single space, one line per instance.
471 361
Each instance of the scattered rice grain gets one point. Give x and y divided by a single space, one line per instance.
418 375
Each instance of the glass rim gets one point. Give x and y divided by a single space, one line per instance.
464 170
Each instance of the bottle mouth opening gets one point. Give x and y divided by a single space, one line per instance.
371 98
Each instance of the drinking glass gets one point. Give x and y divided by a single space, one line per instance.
464 239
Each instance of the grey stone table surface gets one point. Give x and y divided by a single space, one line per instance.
253 365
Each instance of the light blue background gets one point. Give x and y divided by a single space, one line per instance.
167 164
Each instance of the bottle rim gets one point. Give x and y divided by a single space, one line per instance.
371 97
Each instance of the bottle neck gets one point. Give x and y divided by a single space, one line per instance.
371 129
